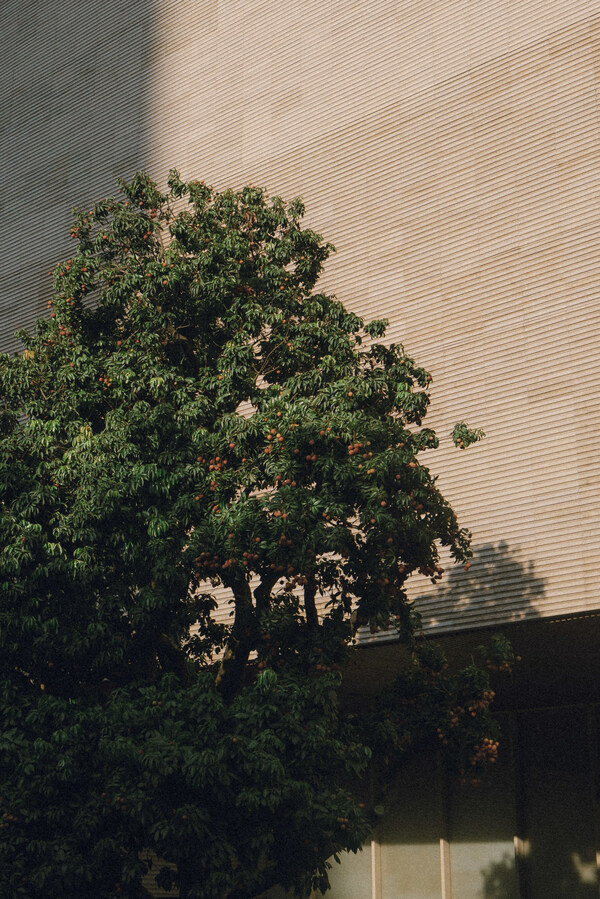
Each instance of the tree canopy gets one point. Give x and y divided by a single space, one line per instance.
195 422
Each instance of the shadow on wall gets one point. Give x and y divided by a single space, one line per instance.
498 880
74 83
466 600
557 751
498 588
571 875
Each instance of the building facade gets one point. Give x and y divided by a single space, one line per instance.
450 149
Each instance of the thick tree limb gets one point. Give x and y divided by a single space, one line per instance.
241 641
310 606
176 338
171 657
262 594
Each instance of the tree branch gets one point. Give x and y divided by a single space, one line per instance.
310 606
171 657
262 593
232 667
174 338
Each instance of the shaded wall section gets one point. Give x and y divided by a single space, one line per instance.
73 112
526 831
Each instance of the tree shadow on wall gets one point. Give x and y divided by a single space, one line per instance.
578 881
499 880
497 588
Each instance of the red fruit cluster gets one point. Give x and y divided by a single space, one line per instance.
433 571
208 560
298 581
503 667
249 557
477 705
354 449
7 820
487 751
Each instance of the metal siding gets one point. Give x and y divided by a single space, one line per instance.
450 150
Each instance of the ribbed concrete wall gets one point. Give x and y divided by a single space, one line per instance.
450 149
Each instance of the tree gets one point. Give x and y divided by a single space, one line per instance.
195 415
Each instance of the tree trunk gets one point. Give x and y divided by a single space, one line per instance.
241 641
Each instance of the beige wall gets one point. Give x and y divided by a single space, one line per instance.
451 151
449 148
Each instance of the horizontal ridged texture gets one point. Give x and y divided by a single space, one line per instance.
73 84
450 150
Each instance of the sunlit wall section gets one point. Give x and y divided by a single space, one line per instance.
353 877
410 833
451 151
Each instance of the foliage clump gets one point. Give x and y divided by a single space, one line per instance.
195 416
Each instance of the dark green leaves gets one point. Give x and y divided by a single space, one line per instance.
193 432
